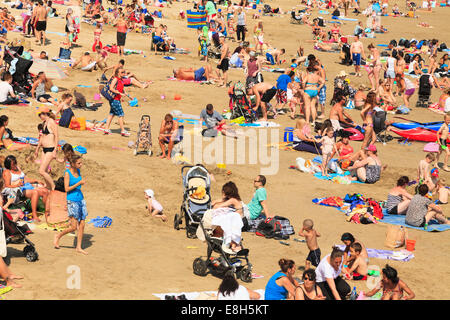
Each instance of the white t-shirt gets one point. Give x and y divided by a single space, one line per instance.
5 89
409 84
324 270
240 294
156 205
447 105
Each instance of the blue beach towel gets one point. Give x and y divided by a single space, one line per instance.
396 219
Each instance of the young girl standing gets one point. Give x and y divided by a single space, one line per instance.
328 146
76 205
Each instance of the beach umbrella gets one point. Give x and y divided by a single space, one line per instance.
51 69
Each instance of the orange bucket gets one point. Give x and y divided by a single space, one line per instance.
410 245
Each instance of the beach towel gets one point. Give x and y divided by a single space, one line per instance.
175 79
386 254
396 219
199 295
195 19
335 177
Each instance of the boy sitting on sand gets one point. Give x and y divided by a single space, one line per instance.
311 241
357 266
423 171
153 206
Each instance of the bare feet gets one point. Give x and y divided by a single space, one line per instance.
162 156
14 277
56 241
11 283
79 250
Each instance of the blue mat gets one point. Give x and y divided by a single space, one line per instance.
331 176
395 219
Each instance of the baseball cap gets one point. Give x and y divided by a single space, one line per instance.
150 193
372 148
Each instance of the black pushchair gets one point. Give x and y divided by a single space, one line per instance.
214 49
346 57
17 234
22 80
379 126
240 106
423 101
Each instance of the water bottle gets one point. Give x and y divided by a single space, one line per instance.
353 294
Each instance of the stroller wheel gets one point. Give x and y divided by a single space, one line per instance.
150 153
30 253
176 222
191 232
200 267
246 275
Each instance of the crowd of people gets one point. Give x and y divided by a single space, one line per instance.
300 89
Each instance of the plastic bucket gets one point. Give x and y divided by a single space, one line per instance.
410 244
288 134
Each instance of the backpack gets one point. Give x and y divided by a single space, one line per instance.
269 228
239 89
64 53
377 211
336 13
442 47
267 8
66 117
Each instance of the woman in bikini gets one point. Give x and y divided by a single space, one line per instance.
368 169
375 67
6 140
335 32
49 143
308 290
345 150
385 95
312 83
366 115
167 134
393 287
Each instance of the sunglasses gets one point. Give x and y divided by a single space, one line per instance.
256 181
309 279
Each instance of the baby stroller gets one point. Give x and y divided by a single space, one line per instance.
228 261
423 101
17 234
22 80
297 18
144 137
379 126
239 104
196 198
346 58
214 49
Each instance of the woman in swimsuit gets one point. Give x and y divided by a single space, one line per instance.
366 115
49 143
375 67
303 140
167 134
345 150
122 28
386 95
335 33
312 83
398 198
367 170
14 178
309 290
393 287
5 137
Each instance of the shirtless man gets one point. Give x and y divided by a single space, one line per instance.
204 73
87 62
356 51
264 92
224 62
39 20
273 56
338 114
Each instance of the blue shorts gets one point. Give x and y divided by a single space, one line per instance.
270 58
199 74
116 108
77 209
323 95
356 57
157 39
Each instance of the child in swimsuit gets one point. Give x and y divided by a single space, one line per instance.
328 145
357 266
311 235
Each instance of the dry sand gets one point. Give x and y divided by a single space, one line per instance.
138 256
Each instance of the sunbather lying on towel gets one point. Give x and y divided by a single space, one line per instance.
204 73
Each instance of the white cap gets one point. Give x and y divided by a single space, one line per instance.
150 193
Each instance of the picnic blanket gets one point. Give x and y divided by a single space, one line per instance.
200 295
336 177
386 254
397 219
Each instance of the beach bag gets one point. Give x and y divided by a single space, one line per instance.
442 47
395 236
106 92
74 124
269 228
3 250
64 53
66 117
336 13
267 9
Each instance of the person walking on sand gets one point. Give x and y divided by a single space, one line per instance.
122 28
356 51
76 205
39 20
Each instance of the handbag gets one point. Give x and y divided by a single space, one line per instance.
107 93
64 53
395 236
3 249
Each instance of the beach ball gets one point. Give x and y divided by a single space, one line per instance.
97 97
54 89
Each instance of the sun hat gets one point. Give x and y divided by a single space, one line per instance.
43 109
342 73
372 148
150 193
